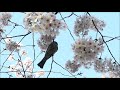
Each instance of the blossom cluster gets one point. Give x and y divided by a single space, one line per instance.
22 52
44 41
12 45
44 23
85 23
23 69
71 66
107 66
86 50
4 19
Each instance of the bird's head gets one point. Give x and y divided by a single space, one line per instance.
55 43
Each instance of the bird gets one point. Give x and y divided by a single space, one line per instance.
51 50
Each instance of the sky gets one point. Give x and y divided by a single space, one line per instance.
64 53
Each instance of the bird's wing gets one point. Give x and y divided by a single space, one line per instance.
51 49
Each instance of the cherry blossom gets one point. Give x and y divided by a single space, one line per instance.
8 40
22 66
39 73
86 50
84 24
4 17
12 45
43 22
71 66
44 41
107 66
12 68
11 58
23 52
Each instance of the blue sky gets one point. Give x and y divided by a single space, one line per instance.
112 20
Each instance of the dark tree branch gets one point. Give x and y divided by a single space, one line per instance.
18 35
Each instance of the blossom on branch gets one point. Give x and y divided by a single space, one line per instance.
71 66
107 66
84 23
12 45
45 41
39 73
43 22
86 50
11 58
4 18
23 52
22 66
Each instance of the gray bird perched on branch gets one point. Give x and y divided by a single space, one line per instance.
51 50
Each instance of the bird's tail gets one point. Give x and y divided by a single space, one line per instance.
42 62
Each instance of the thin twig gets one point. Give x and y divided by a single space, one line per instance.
33 49
50 67
16 24
68 16
64 68
22 65
35 59
12 51
18 35
112 39
67 27
11 30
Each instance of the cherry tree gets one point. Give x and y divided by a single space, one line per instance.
87 50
